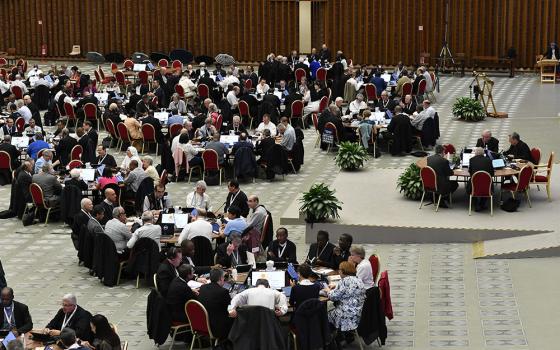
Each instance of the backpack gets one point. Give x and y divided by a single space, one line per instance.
510 205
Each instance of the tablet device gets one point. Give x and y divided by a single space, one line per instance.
498 163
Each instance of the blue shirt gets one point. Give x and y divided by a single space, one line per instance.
35 147
379 83
39 164
314 67
175 119
235 225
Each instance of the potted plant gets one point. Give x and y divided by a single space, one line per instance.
319 204
350 156
409 182
468 109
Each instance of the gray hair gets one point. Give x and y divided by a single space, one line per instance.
200 183
149 159
71 298
84 201
357 250
147 216
235 236
478 151
117 211
19 104
65 132
487 132
46 167
7 138
281 127
15 344
47 153
75 173
213 107
338 99
236 117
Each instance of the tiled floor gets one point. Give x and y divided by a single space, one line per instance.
441 297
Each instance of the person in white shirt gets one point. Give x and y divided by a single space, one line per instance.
266 124
42 81
35 71
20 83
117 229
67 99
198 227
261 295
357 105
428 108
429 82
228 80
32 129
177 104
198 198
24 111
232 97
175 141
188 86
363 266
148 229
4 87
262 87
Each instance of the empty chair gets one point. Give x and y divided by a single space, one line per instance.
522 185
539 179
76 51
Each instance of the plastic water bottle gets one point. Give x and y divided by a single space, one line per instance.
234 274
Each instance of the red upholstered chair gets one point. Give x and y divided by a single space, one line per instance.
421 91
211 163
17 91
128 64
323 104
90 111
315 120
75 164
39 201
70 113
177 65
154 102
448 148
536 155
3 61
123 135
179 328
203 91
76 152
332 128
163 63
104 79
20 124
245 113
481 186
40 153
429 184
219 122
114 68
406 90
174 130
143 78
539 179
148 136
296 111
121 80
110 127
375 263
300 73
179 89
5 161
371 93
248 84
321 74
199 321
522 185
163 177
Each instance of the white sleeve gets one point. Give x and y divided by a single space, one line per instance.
184 234
280 302
238 300
146 205
132 240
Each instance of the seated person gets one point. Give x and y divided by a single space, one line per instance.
235 223
518 149
357 105
191 153
342 251
441 166
401 133
216 300
363 267
158 200
261 295
198 226
49 184
179 293
12 150
206 131
264 146
321 252
199 198
178 105
37 145
150 169
65 146
231 254
14 315
257 213
117 230
94 225
167 270
109 203
242 143
106 178
487 141
131 154
266 124
418 118
69 340
237 198
385 103
349 296
104 336
135 177
479 163
134 129
32 129
189 251
219 147
282 249
73 316
304 289
236 126
104 158
148 229
379 82
76 181
408 105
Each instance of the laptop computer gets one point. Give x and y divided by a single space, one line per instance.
498 163
88 175
276 279
41 337
139 67
466 159
243 268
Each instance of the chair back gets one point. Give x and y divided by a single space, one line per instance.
163 63
549 166
177 65
97 76
429 179
3 61
37 195
119 76
148 132
101 72
299 73
114 67
5 160
203 91
375 266
421 87
297 109
210 160
219 122
481 184
198 318
406 89
143 77
20 124
175 129
75 164
248 84
323 104
244 109
267 222
536 155
110 127
433 77
448 148
179 89
163 177
69 110
17 91
40 153
332 128
524 178
321 74
123 132
90 111
154 101
128 64
371 92
76 153
315 120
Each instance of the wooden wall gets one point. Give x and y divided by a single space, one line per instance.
368 31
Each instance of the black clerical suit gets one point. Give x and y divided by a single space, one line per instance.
520 151
79 322
165 274
13 152
228 261
344 254
20 316
9 131
107 160
108 212
177 296
402 134
324 254
443 171
409 108
64 148
216 300
239 200
492 144
287 254
383 106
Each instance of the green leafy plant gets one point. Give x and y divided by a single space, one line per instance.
350 156
409 182
468 109
320 203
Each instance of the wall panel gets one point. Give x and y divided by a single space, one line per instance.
368 31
